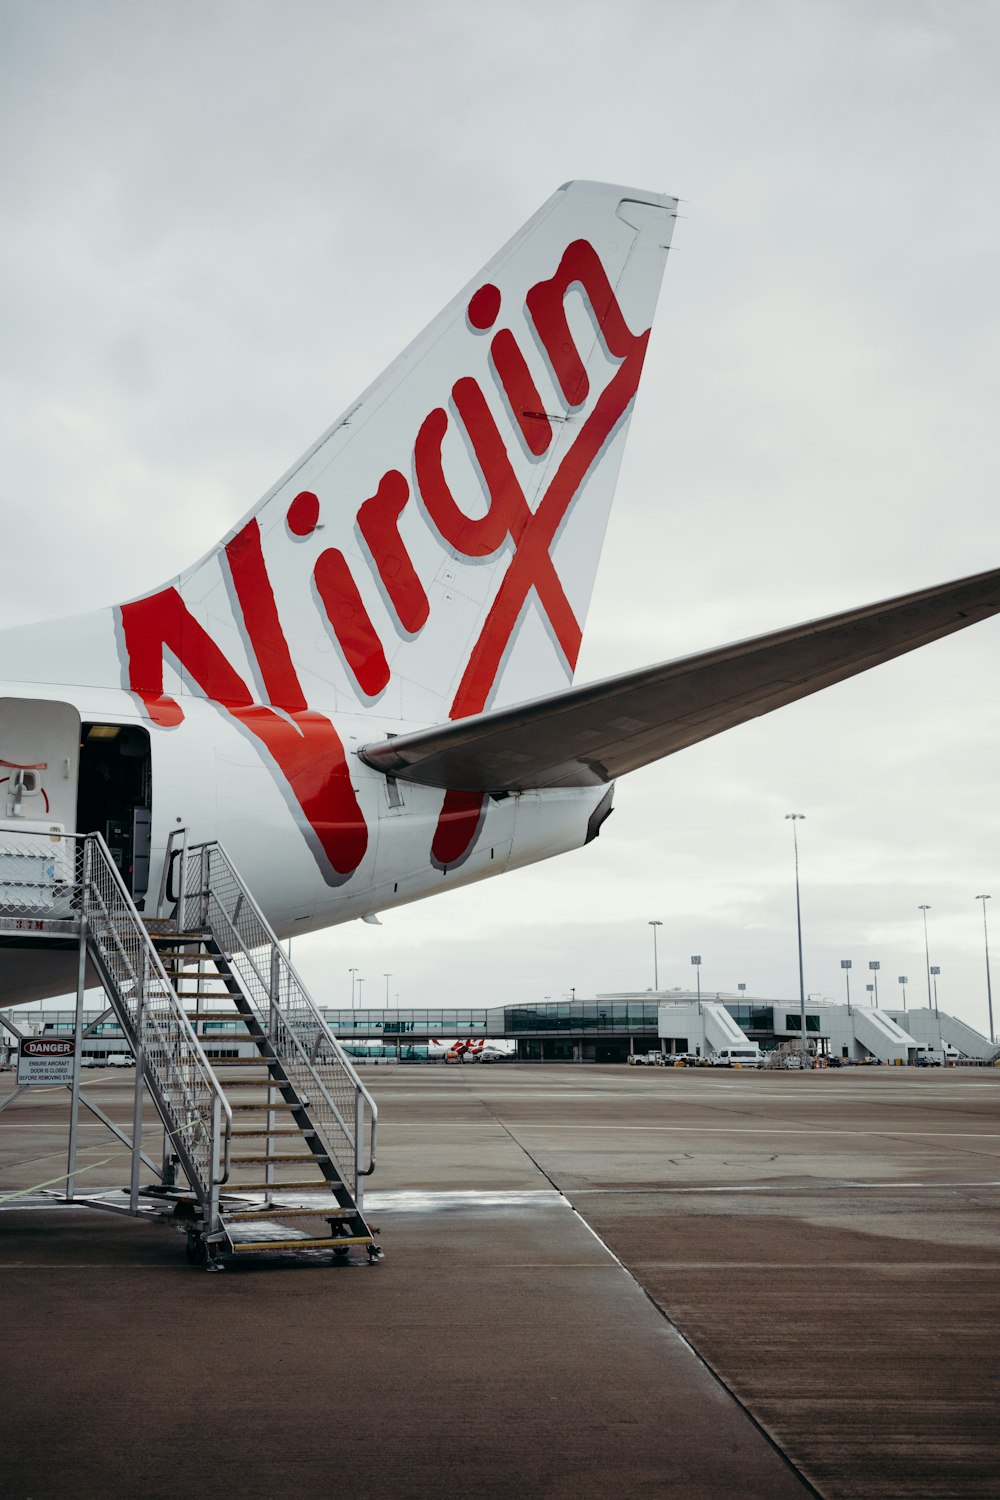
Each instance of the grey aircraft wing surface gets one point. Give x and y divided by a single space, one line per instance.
591 734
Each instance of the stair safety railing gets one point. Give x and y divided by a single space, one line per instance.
312 1059
195 1112
38 877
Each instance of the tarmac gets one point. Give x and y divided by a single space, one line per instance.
597 1280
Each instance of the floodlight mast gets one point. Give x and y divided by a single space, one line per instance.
927 954
989 987
656 969
845 964
794 818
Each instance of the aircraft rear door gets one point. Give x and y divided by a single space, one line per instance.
39 764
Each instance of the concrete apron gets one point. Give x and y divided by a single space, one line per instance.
499 1350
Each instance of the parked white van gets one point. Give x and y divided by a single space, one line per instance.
747 1056
934 1057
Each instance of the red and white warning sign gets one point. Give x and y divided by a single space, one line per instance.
43 1059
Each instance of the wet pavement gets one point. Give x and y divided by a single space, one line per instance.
596 1280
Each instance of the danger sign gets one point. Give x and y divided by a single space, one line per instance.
45 1060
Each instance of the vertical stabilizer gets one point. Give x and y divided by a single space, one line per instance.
434 552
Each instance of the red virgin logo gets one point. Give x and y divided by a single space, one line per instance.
302 744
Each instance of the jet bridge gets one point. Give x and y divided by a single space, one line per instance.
879 1034
930 1028
267 1155
704 1026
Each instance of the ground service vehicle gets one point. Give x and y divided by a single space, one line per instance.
738 1057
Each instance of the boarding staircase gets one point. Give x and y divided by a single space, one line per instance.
263 1152
782 1056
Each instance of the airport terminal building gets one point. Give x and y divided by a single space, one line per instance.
604 1029
610 1028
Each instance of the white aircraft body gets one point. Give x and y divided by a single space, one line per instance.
364 691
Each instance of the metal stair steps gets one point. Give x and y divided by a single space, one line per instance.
327 1243
268 1081
208 995
265 1105
214 1015
247 1135
263 1160
226 967
247 1062
314 1185
281 1211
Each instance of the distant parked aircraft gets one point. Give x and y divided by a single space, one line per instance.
472 1049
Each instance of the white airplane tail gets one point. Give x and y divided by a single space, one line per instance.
434 552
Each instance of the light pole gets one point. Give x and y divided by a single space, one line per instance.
904 982
696 960
360 983
743 991
935 970
795 818
352 973
874 965
387 978
656 970
927 954
846 964
989 987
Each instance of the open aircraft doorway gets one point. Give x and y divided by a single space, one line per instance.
115 797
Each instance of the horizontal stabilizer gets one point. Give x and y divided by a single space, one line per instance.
591 734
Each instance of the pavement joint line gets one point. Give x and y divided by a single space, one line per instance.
663 1315
889 1135
62 1265
519 1265
825 1265
386 1200
666 1318
406 1200
774 1188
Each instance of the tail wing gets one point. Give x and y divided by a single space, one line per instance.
435 550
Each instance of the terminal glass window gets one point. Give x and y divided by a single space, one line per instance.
753 1017
404 1022
582 1015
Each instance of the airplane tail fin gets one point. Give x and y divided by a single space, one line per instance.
434 552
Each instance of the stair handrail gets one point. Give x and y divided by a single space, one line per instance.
164 898
174 1060
240 927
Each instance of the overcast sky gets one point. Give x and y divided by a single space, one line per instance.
220 221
